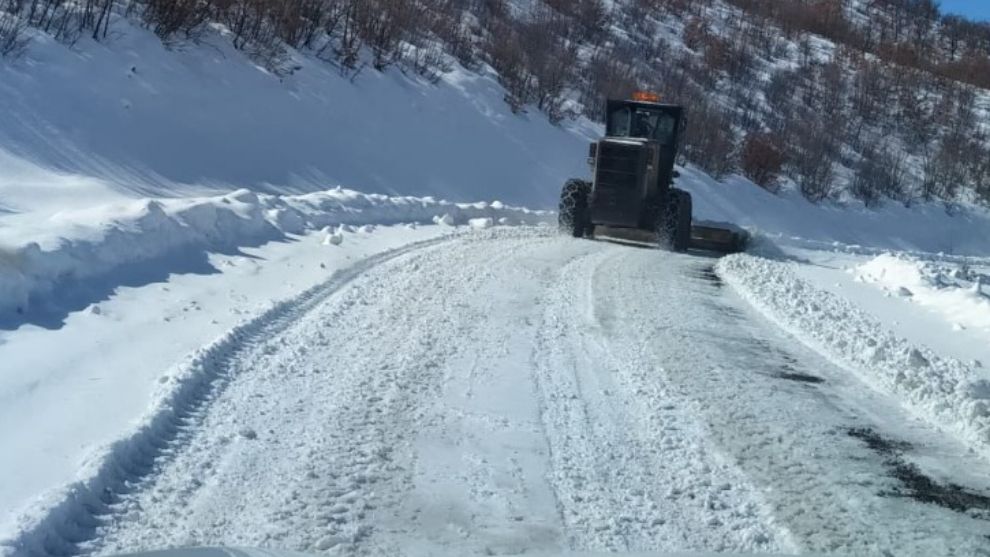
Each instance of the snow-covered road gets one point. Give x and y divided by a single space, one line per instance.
511 390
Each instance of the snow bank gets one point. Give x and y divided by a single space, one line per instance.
954 291
949 393
94 243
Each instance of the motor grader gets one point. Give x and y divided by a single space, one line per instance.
631 195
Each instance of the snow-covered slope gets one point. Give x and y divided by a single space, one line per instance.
134 118
107 148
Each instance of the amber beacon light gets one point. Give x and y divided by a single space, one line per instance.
646 97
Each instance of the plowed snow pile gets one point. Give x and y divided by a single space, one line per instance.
950 393
104 239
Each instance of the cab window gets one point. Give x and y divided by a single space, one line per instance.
642 123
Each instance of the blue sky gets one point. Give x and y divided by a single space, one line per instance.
974 9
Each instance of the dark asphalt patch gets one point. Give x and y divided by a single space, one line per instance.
799 377
788 371
914 483
877 443
709 275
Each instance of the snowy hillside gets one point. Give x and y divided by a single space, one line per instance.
82 159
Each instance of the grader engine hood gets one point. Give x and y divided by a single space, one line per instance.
625 171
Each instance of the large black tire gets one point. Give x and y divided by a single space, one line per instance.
674 221
573 215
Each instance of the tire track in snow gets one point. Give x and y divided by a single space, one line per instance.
629 462
334 406
479 482
125 466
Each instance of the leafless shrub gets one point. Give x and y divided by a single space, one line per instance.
429 62
949 165
762 160
880 174
587 18
813 162
549 61
13 35
508 58
709 140
173 19
608 76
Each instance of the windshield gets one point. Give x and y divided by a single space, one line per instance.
642 122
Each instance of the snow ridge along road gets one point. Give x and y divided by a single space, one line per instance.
948 392
48 272
510 390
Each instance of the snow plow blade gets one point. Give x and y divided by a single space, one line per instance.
722 238
719 238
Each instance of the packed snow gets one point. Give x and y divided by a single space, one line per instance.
70 392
